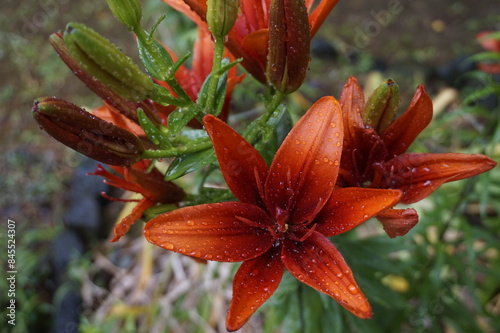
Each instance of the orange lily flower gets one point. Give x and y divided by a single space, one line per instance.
250 34
284 216
379 160
137 179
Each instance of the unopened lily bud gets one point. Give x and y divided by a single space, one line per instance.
221 15
86 133
382 106
128 12
289 45
107 63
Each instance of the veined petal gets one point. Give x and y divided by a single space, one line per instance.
255 281
397 222
418 175
351 206
213 231
401 133
319 14
352 102
305 168
242 166
317 263
126 223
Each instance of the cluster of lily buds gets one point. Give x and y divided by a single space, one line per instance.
344 162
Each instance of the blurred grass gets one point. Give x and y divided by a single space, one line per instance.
449 263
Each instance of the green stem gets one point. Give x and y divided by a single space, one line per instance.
212 88
178 151
300 295
271 108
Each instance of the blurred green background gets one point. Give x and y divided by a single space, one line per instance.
443 277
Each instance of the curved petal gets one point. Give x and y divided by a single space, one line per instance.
196 10
255 281
319 14
213 231
352 102
305 168
397 222
349 207
317 263
242 166
126 223
418 175
401 133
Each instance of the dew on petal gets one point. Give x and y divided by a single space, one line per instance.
352 289
190 222
168 246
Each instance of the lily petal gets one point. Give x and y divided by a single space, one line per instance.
349 207
317 263
242 166
305 168
122 227
397 222
196 10
418 175
401 133
255 281
213 231
320 13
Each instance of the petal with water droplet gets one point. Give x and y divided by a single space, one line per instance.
217 231
242 166
324 274
349 207
254 282
307 186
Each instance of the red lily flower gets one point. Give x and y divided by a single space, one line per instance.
137 179
249 37
192 79
379 160
283 218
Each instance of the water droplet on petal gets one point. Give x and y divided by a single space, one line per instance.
168 246
352 289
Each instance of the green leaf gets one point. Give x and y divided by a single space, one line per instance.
181 116
155 58
188 163
154 134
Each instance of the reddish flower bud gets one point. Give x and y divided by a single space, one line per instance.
289 45
86 133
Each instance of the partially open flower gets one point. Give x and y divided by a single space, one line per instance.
377 157
86 133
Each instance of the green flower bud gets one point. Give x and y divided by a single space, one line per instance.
221 15
128 12
382 106
86 133
289 45
107 63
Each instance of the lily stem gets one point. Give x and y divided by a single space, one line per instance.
212 88
271 108
178 151
300 295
